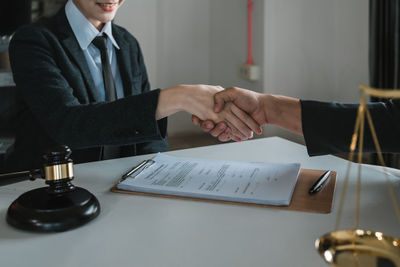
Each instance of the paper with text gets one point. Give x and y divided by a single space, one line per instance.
259 183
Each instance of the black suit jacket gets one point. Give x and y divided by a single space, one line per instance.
328 126
59 104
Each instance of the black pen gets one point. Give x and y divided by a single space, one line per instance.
317 186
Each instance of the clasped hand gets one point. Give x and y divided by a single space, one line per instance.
251 108
212 105
237 113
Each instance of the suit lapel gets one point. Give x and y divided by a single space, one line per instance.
123 60
71 45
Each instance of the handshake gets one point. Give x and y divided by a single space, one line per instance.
231 114
240 113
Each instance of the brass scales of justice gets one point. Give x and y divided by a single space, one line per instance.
357 247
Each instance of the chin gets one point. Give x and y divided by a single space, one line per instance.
106 18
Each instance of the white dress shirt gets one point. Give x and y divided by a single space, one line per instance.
85 32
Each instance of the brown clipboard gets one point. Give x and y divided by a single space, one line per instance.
320 202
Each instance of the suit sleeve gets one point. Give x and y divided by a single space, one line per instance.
328 126
39 62
155 145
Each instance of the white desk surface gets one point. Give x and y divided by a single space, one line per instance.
149 231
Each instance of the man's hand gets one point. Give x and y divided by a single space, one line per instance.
282 111
248 101
199 101
227 129
221 130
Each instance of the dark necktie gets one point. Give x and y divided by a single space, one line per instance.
101 43
107 152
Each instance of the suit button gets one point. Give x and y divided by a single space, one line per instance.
137 132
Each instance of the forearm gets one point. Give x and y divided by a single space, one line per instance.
170 101
125 121
283 111
193 99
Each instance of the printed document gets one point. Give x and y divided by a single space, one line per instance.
255 182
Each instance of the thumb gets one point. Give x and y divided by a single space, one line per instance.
221 98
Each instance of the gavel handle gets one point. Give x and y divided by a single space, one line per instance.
15 177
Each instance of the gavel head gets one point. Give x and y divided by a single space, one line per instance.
58 169
57 155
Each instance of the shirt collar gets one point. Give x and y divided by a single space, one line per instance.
85 31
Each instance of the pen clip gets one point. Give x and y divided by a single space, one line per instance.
139 168
317 186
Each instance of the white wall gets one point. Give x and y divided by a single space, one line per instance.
313 49
229 41
139 17
175 39
316 48
183 51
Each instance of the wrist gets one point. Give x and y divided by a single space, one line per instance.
197 100
268 106
170 101
183 96
284 112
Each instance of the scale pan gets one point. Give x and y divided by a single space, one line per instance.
360 248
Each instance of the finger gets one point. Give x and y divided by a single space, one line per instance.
224 137
195 120
247 119
219 129
221 98
236 135
236 139
229 135
228 131
207 125
239 126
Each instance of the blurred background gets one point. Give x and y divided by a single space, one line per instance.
311 49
